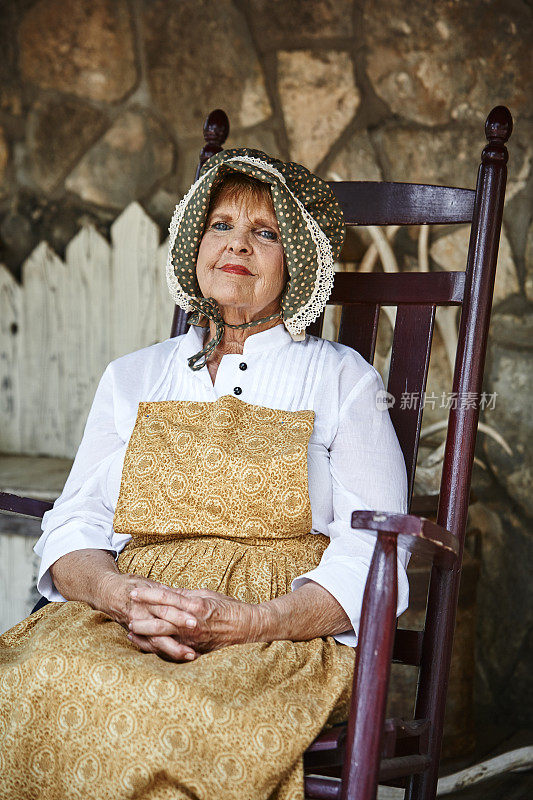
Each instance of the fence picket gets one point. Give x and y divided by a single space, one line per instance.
135 239
11 344
87 320
45 298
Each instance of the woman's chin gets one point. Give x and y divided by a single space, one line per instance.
232 297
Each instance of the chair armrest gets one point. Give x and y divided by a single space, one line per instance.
372 670
28 506
415 534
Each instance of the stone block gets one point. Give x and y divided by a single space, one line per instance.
318 97
4 158
125 164
505 618
17 237
259 138
10 88
59 132
510 375
426 63
529 263
200 56
450 252
356 161
279 22
520 149
82 47
449 157
161 206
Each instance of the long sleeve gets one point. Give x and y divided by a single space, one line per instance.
367 471
82 516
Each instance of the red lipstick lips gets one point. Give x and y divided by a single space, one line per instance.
235 269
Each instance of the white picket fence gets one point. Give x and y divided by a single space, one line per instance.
62 325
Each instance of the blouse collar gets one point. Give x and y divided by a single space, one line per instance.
192 342
273 338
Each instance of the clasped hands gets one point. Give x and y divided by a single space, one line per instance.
179 624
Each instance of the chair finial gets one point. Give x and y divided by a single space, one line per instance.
216 130
498 128
499 125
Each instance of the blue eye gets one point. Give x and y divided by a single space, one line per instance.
270 235
220 226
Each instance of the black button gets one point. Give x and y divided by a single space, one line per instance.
243 366
237 390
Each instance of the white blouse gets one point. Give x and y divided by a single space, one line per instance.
354 459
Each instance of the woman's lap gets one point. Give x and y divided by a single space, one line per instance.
85 713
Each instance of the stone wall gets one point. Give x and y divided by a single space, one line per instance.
102 103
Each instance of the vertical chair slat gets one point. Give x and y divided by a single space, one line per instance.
411 348
315 328
359 328
179 322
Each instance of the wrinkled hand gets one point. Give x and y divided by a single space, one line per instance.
198 619
116 600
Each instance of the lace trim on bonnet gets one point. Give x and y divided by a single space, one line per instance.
325 273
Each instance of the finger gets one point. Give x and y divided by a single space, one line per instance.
168 647
163 646
165 596
137 611
141 642
155 626
183 620
155 594
176 621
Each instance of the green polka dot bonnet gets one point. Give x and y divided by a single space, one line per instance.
309 218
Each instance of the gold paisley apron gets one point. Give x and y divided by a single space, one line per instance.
214 495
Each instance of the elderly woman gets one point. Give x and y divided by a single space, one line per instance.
203 538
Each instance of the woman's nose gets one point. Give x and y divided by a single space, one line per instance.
239 242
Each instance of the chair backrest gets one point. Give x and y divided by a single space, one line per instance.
417 296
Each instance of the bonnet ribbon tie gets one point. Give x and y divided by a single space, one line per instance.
208 307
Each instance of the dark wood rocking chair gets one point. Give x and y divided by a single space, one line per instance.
348 761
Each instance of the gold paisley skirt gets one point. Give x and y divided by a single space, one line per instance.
84 714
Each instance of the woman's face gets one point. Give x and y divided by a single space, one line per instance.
240 258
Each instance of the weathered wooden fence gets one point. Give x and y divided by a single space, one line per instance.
62 325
